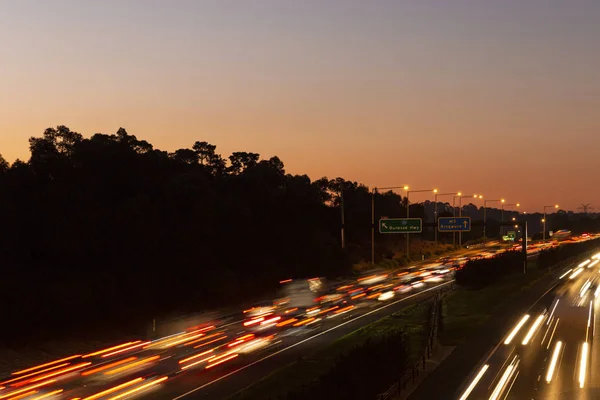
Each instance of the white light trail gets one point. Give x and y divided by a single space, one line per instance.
552 313
584 288
532 330
475 382
565 274
553 361
583 363
516 329
577 272
503 381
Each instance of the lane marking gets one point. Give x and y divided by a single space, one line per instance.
306 340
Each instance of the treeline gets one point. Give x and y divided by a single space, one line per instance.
483 272
109 231
549 258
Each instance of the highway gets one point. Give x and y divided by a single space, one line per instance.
220 357
218 360
552 351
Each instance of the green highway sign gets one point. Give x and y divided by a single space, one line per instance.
511 234
400 225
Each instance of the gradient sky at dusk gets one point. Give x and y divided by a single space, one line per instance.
500 97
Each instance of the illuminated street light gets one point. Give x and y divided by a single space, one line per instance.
435 213
373 217
485 213
460 197
408 213
502 213
544 220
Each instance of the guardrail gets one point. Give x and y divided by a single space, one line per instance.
412 373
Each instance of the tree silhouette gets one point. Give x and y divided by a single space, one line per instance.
4 166
109 231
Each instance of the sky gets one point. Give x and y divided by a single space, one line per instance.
496 97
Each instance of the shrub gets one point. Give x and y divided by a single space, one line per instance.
548 258
482 272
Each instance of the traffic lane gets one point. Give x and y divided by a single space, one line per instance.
232 378
482 380
532 355
540 375
595 351
520 343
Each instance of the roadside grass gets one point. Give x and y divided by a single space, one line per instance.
412 321
465 310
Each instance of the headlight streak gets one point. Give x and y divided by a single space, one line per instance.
533 329
552 335
585 288
552 312
583 364
553 361
589 323
474 382
504 379
565 274
575 273
516 329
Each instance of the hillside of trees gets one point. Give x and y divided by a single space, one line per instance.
110 231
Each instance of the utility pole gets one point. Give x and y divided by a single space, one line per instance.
373 226
342 207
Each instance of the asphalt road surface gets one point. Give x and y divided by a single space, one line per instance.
552 352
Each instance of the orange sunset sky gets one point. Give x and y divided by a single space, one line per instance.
494 97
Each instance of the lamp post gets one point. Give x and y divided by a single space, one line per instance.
408 212
544 220
502 215
475 196
373 192
485 214
435 216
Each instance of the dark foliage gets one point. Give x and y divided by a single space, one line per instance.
111 232
482 272
551 257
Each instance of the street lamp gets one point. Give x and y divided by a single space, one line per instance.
408 191
502 214
435 217
485 214
373 192
460 197
544 220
